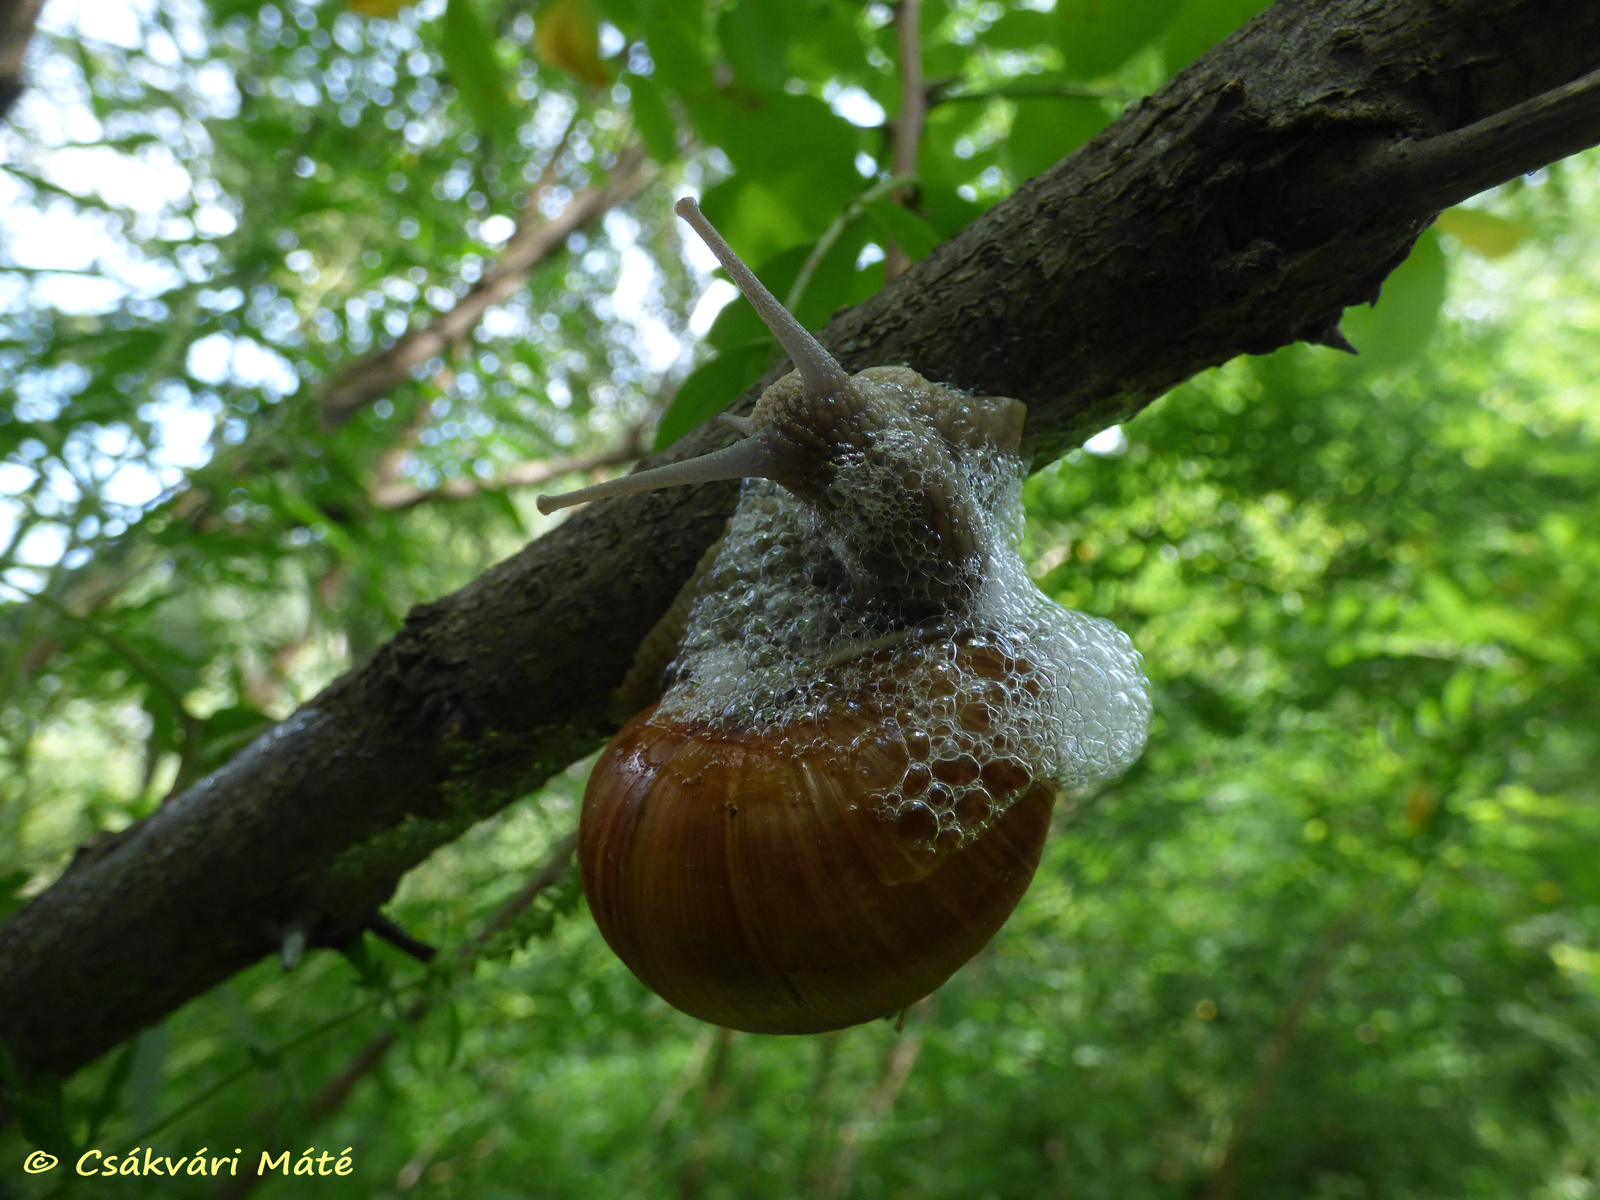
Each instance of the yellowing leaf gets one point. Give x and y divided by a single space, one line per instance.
379 8
568 39
1489 235
1420 807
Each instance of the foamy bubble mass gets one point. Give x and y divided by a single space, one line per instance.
950 717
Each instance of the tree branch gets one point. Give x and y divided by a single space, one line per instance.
533 242
17 18
1217 217
908 124
395 495
1450 167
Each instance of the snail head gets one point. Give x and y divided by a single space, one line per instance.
799 423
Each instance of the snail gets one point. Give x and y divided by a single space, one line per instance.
846 785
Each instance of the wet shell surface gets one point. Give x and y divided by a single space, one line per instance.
787 904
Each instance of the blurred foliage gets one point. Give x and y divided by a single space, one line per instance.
1336 936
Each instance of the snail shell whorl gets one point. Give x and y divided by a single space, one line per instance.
753 889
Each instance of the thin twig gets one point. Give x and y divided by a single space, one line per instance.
387 473
332 1095
401 938
396 496
547 876
234 1076
531 244
1277 1052
693 1177
687 1078
814 1159
879 1101
939 94
141 665
908 124
836 230
17 664
530 217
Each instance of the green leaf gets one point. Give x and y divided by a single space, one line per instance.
796 146
1400 325
453 1030
501 502
710 388
941 172
468 49
737 325
910 232
146 1077
1022 29
1201 24
372 973
946 209
1045 131
111 1093
1205 704
1098 36
39 1105
539 920
675 32
833 47
834 283
755 35
943 58
653 118
744 344
759 220
11 885
229 730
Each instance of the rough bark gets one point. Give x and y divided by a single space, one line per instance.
1277 180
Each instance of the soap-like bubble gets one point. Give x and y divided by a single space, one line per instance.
950 718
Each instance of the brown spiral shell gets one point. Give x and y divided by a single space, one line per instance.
758 889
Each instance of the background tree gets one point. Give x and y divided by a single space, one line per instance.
299 300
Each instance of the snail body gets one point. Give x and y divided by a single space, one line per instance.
847 783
